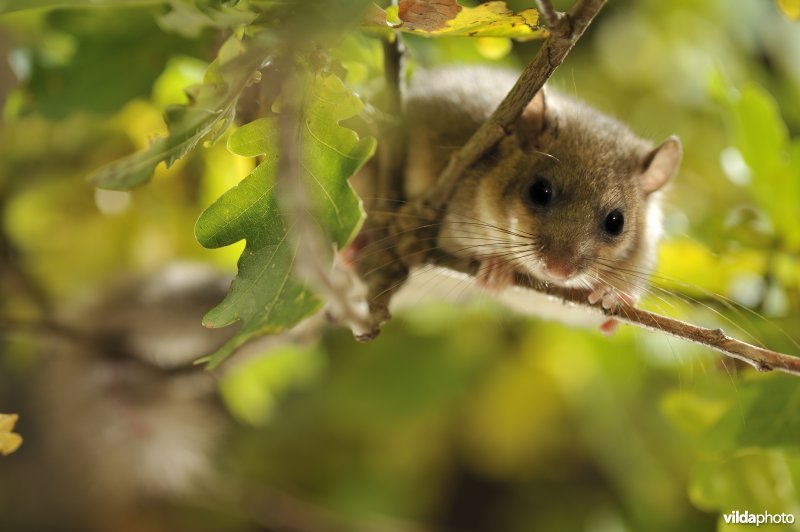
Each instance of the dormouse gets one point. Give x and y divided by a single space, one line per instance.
570 196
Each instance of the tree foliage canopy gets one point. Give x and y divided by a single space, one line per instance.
462 415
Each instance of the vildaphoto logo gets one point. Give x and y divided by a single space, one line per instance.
764 518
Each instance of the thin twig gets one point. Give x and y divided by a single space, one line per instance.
392 149
10 258
387 271
552 53
565 31
760 358
382 269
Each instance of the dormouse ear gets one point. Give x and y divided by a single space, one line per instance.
532 123
661 165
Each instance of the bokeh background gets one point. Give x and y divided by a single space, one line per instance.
462 417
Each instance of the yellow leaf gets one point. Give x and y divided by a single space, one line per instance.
790 8
7 422
688 267
447 18
9 441
514 424
493 47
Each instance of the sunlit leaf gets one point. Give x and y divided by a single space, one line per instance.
190 17
7 6
493 47
746 425
265 296
686 266
442 18
514 420
762 138
75 66
790 8
210 111
754 480
251 389
9 441
693 414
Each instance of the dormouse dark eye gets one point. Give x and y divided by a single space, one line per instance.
614 223
541 192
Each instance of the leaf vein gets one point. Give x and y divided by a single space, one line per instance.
325 191
241 213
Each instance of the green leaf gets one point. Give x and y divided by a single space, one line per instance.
7 6
738 419
753 479
692 413
251 389
762 137
446 18
764 414
190 17
210 111
264 295
75 61
749 438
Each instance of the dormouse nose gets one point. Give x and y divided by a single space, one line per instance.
559 267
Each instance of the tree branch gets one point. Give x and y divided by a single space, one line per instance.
413 239
555 48
565 31
382 268
760 358
414 230
42 327
392 149
10 257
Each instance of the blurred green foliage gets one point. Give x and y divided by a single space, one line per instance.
75 64
459 417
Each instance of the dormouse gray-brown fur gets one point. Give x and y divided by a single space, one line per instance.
571 196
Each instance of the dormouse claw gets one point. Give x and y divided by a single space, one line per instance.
609 296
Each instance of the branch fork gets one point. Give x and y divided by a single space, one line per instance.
413 231
413 246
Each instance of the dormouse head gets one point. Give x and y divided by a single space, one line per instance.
579 191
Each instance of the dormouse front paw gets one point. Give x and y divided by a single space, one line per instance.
610 297
495 275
